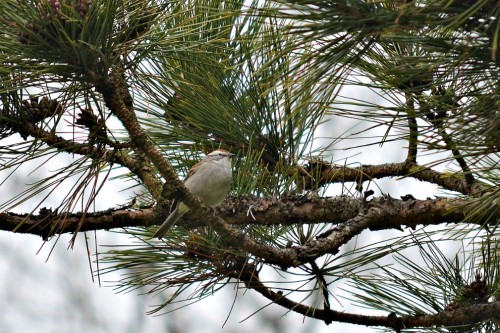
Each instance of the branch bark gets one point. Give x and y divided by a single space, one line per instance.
349 216
94 152
461 316
332 173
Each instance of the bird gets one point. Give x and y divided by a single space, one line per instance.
209 180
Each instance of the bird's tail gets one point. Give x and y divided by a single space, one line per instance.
169 222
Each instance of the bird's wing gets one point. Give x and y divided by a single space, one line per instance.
192 171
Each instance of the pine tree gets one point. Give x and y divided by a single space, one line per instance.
137 91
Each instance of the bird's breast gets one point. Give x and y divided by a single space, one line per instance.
210 185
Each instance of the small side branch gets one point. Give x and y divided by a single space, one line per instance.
450 144
118 99
141 170
251 280
437 119
413 129
332 173
323 285
469 314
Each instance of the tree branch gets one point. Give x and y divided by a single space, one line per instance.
437 119
378 214
251 280
413 128
332 173
465 315
49 223
144 173
118 99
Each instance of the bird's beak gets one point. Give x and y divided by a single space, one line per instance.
231 155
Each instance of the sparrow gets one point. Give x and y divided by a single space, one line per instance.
209 180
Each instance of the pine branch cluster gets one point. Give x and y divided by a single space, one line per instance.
138 90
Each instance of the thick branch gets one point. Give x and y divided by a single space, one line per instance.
350 216
380 214
47 223
118 99
466 315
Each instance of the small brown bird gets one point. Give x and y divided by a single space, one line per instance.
209 180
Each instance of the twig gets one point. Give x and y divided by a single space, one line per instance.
437 120
413 128
324 287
